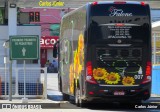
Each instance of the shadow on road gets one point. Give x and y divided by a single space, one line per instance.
113 106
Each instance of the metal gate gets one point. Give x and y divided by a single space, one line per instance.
36 82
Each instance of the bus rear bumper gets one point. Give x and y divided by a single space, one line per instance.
96 92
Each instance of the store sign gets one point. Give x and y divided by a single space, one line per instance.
48 41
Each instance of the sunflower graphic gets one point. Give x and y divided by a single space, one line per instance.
99 73
128 80
80 43
112 78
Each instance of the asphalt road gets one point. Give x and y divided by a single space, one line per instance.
69 106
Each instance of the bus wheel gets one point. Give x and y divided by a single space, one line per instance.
78 101
82 103
77 97
66 97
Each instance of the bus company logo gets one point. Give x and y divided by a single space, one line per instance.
118 12
21 106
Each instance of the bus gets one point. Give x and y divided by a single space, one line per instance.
104 52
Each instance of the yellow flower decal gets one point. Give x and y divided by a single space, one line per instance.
80 43
128 80
99 73
112 78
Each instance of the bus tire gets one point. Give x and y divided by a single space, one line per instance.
78 101
66 97
77 95
82 103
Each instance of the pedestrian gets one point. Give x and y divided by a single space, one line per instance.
55 64
47 63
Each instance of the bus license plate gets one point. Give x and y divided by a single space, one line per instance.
119 93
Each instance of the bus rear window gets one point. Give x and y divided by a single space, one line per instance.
126 22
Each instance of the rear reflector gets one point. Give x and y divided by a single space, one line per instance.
147 77
119 24
146 92
148 69
89 68
91 92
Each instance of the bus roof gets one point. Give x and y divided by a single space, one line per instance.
118 2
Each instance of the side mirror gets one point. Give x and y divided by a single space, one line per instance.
55 50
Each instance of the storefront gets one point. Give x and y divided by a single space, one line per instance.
46 53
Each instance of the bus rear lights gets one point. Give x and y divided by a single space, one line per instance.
146 81
147 77
143 3
95 3
89 68
91 93
148 69
119 2
146 93
89 77
119 24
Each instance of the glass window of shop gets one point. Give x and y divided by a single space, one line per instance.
54 29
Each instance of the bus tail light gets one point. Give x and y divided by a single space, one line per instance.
143 3
89 75
91 93
147 77
95 3
119 24
146 93
119 2
148 69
